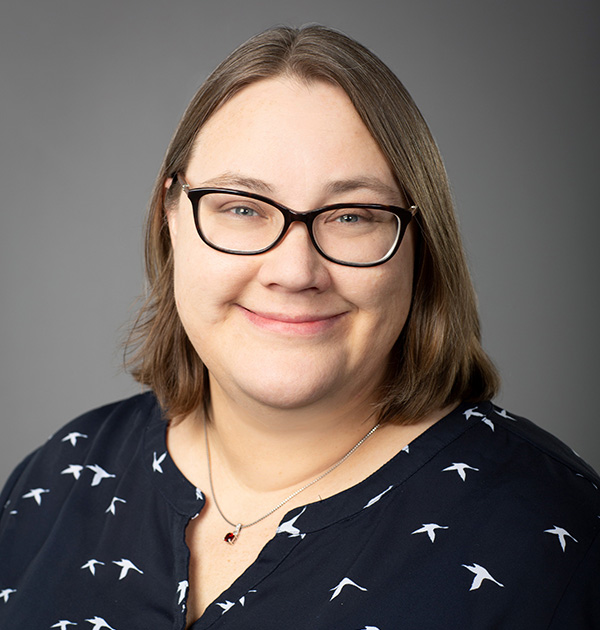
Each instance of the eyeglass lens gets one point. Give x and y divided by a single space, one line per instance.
243 224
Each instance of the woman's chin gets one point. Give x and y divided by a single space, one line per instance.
285 391
280 394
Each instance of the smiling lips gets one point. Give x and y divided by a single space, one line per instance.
292 325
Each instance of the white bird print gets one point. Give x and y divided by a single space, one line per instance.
406 449
375 499
429 528
182 588
289 528
99 623
99 474
480 575
226 605
112 507
91 565
126 565
370 628
63 623
504 414
242 599
73 437
345 582
460 469
199 495
73 469
472 412
35 493
488 422
6 593
562 535
156 464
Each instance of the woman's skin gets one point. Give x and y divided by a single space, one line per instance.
295 345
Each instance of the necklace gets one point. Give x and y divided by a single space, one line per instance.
231 537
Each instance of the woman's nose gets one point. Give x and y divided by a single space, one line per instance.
294 264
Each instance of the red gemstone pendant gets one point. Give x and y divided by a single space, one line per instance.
231 537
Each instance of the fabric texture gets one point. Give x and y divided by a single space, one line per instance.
483 521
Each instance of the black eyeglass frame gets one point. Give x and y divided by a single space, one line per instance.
290 216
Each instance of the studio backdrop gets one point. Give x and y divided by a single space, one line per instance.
91 92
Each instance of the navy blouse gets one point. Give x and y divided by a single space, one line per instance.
483 522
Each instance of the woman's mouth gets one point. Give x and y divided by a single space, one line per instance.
303 324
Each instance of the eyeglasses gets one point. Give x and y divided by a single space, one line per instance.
244 223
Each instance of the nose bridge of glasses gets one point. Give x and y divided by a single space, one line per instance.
293 216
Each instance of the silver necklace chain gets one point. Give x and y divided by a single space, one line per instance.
231 537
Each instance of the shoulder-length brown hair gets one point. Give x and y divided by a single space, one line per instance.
438 359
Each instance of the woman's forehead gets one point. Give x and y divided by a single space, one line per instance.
280 131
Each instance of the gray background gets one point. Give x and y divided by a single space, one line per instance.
90 93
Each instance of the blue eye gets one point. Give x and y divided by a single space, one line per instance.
243 211
349 218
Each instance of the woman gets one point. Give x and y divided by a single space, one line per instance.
316 449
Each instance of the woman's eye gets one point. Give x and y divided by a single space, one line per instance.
349 218
243 211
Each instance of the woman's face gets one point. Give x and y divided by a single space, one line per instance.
288 328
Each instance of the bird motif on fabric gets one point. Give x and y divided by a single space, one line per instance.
289 527
99 474
489 423
504 414
157 461
112 507
73 437
562 535
473 412
242 599
6 593
126 566
63 624
429 529
36 494
182 588
72 469
460 469
345 582
375 499
91 565
226 605
99 623
481 574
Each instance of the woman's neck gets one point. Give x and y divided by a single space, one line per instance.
281 449
268 453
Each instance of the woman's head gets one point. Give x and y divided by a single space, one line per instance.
436 357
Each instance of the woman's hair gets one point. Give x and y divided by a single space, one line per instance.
438 359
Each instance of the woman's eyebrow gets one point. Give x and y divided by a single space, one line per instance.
232 180
363 183
335 187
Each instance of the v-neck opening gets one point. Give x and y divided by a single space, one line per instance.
300 521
